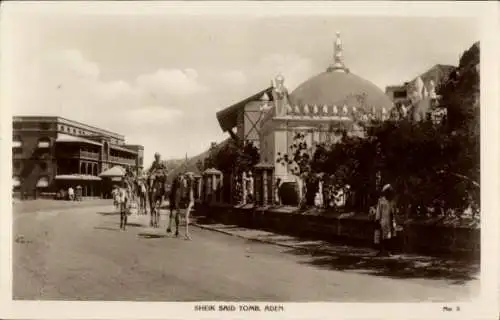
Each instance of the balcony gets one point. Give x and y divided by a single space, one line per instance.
89 155
120 160
80 155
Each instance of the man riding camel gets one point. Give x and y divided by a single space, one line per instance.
157 166
155 195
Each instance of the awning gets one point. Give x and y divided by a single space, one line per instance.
17 144
77 177
116 171
42 182
116 147
43 144
66 138
16 182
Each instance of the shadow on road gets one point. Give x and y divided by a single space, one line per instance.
151 235
399 267
203 220
133 224
112 213
107 228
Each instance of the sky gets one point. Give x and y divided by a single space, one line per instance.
160 79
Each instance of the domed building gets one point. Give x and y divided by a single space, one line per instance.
330 100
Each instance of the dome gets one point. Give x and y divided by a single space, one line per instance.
341 88
338 87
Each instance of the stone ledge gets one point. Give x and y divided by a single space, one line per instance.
426 236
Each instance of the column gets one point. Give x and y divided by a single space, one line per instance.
264 187
199 186
208 187
214 188
244 187
220 191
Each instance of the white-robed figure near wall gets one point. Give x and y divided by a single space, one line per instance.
384 216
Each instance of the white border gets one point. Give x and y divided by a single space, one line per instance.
485 307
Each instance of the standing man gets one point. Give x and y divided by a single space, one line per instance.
384 216
71 193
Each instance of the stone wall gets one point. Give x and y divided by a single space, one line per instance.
424 237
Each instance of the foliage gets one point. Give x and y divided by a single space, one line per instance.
199 165
232 157
427 164
460 95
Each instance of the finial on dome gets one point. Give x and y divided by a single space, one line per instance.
279 78
338 56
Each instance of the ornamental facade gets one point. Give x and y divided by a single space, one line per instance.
320 106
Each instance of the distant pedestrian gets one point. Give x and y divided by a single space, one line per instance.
71 194
384 217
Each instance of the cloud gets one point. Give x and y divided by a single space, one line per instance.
174 82
145 109
151 106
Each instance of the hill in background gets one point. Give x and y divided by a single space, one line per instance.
176 166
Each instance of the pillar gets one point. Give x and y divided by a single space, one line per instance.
214 189
211 179
244 188
198 182
263 185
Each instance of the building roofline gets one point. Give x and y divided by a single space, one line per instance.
228 117
69 121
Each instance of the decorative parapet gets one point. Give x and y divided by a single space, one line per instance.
330 112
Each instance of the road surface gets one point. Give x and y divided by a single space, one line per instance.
79 253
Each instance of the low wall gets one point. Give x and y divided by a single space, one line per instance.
432 236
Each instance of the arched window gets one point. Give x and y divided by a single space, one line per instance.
44 142
43 182
89 168
95 170
17 142
83 169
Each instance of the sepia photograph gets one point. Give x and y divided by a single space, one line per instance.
242 161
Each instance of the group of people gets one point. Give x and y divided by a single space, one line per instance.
72 194
181 196
153 189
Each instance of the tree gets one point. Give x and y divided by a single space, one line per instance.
460 94
426 163
233 158
199 166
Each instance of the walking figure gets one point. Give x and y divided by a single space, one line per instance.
124 198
